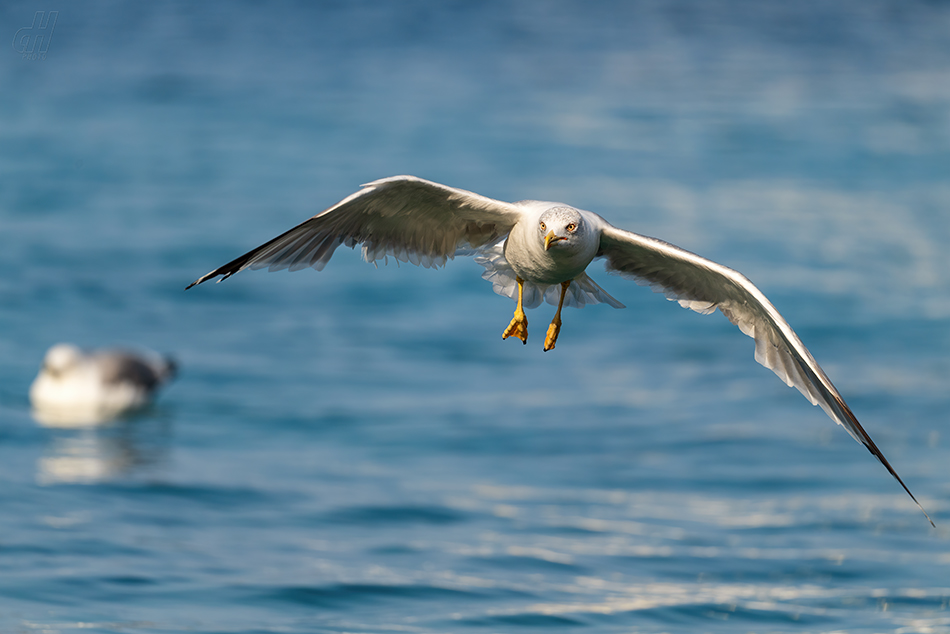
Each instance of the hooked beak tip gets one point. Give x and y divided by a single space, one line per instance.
550 239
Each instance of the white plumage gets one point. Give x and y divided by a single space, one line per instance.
75 387
539 246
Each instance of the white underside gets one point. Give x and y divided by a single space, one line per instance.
582 291
81 398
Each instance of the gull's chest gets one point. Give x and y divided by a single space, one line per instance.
531 262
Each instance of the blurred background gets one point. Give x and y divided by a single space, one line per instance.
357 449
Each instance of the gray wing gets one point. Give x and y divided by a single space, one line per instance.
704 286
120 366
412 219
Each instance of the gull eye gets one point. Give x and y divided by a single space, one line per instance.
543 226
572 227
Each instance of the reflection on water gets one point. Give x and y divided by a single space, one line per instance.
97 454
75 417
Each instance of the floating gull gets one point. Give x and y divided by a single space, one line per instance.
534 251
82 388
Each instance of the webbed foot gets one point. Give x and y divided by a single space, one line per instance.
553 330
518 327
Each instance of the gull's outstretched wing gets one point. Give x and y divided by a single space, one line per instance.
704 286
412 219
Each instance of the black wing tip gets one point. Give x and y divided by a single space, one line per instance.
213 274
232 267
919 506
865 439
198 281
880 456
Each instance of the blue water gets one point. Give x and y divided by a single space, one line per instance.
357 450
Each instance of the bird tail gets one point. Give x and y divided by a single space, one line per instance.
169 370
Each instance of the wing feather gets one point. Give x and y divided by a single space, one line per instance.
704 286
409 218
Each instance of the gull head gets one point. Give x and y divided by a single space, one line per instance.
60 358
562 228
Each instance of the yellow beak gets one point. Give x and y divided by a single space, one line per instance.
551 239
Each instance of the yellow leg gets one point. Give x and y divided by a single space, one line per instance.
555 326
519 323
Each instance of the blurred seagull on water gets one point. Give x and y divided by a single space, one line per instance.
82 388
534 251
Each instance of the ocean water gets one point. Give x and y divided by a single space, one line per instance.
357 450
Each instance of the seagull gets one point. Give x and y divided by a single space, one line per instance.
533 251
75 387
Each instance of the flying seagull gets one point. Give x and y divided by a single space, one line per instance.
534 250
76 387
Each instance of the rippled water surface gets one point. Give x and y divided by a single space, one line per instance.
357 450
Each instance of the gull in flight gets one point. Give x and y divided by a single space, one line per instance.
76 387
534 251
